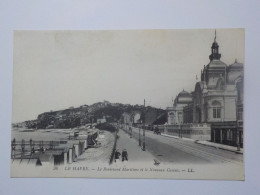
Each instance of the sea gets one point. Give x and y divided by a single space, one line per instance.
40 134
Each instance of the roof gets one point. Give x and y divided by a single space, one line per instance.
216 63
183 97
184 94
214 44
236 65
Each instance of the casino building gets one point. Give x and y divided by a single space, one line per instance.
217 101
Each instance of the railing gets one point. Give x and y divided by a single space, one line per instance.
111 158
23 149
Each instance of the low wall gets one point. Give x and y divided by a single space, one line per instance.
195 131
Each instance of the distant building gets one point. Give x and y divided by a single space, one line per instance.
126 118
101 120
175 113
136 117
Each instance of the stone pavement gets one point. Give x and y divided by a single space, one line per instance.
135 153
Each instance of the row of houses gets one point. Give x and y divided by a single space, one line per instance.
147 117
214 110
132 118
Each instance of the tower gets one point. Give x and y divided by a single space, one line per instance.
215 55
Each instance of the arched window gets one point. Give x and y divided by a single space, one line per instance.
216 109
220 84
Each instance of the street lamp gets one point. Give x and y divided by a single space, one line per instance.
179 130
144 139
139 135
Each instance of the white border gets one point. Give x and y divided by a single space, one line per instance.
134 14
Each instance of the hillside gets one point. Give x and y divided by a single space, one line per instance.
86 114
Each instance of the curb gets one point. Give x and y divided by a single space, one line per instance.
237 152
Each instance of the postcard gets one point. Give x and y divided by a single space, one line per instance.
161 104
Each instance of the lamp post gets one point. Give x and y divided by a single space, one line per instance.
179 130
139 135
144 140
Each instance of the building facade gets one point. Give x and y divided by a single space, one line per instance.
217 101
175 113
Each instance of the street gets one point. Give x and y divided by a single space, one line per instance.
180 151
135 153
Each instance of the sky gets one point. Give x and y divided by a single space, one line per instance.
54 70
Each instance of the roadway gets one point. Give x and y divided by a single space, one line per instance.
172 150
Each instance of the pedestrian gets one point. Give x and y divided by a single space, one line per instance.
124 155
117 155
157 131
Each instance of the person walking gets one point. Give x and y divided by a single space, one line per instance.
117 155
124 155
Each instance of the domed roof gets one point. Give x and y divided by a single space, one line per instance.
183 97
184 94
236 65
216 64
214 44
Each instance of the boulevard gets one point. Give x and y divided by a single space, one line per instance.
175 150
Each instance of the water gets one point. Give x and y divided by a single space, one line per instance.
40 134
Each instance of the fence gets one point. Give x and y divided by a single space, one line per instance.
111 158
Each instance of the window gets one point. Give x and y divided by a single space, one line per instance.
220 84
216 109
216 112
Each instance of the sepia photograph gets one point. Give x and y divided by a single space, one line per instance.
152 103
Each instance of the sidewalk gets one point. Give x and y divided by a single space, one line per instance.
135 153
211 144
221 146
205 143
